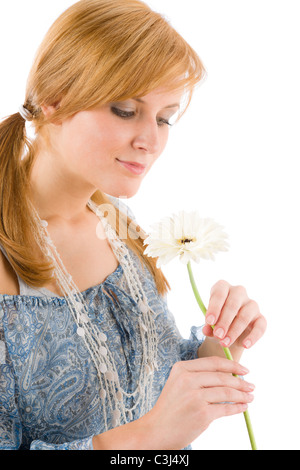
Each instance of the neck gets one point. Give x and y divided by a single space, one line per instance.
56 195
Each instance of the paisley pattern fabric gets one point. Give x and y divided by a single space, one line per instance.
49 391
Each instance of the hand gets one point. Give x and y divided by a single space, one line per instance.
236 318
192 398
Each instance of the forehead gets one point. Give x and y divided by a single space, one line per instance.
162 96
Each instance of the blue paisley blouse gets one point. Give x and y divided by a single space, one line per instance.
49 393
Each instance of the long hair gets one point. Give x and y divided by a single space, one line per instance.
96 52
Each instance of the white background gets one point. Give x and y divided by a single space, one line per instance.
233 157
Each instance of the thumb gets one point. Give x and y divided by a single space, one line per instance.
207 330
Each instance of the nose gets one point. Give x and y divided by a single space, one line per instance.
147 138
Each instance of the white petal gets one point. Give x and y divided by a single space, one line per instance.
207 238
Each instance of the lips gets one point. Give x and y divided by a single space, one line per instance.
135 164
133 167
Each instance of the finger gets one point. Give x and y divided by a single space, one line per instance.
219 293
213 364
217 379
258 330
229 409
207 331
246 315
233 304
226 394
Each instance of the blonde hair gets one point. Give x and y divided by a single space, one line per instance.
96 52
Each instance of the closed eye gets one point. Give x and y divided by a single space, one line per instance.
162 122
121 113
129 114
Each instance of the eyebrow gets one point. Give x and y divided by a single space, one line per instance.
175 105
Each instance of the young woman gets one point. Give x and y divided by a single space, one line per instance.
90 355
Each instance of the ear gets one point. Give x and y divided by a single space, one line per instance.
48 110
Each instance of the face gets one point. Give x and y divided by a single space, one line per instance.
95 147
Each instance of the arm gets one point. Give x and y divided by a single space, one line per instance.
10 425
82 444
10 422
211 347
193 396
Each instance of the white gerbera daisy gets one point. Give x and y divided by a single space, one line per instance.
188 236
185 235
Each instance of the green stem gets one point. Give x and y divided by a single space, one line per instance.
226 351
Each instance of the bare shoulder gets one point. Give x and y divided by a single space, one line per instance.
8 280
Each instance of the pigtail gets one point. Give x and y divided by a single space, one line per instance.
16 217
12 141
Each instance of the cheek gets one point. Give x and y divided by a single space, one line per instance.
104 137
164 141
166 138
89 145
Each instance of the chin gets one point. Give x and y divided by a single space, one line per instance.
126 193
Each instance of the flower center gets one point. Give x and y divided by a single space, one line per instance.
183 241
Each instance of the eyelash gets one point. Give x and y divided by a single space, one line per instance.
129 114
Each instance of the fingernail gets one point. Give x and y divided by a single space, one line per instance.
226 341
247 344
210 320
219 333
245 370
250 387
